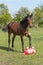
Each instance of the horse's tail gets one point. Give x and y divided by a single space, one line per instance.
5 29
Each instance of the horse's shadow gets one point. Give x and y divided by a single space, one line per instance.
6 49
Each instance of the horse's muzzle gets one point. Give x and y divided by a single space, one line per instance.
30 26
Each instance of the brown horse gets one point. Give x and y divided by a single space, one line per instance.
21 29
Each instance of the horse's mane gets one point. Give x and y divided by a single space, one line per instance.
24 22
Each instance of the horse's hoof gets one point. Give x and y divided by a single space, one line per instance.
12 46
22 51
8 49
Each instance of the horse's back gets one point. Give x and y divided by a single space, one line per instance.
15 27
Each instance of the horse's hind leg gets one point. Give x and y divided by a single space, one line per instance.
13 41
9 34
22 43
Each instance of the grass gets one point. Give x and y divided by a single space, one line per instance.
16 57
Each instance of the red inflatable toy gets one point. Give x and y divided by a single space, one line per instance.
29 51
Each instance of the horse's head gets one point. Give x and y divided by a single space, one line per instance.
29 20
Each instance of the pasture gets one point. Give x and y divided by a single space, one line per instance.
16 57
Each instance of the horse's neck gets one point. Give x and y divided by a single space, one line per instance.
24 26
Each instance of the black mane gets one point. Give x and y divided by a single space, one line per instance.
24 22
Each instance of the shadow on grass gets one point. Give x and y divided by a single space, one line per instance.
6 48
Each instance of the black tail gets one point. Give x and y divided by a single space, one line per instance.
5 29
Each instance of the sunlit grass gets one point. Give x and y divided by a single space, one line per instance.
16 57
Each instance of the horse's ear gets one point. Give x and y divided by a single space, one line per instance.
31 15
27 14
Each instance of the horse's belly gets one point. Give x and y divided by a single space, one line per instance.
18 32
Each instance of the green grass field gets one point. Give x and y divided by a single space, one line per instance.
16 57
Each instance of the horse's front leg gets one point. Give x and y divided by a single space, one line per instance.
29 36
22 43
